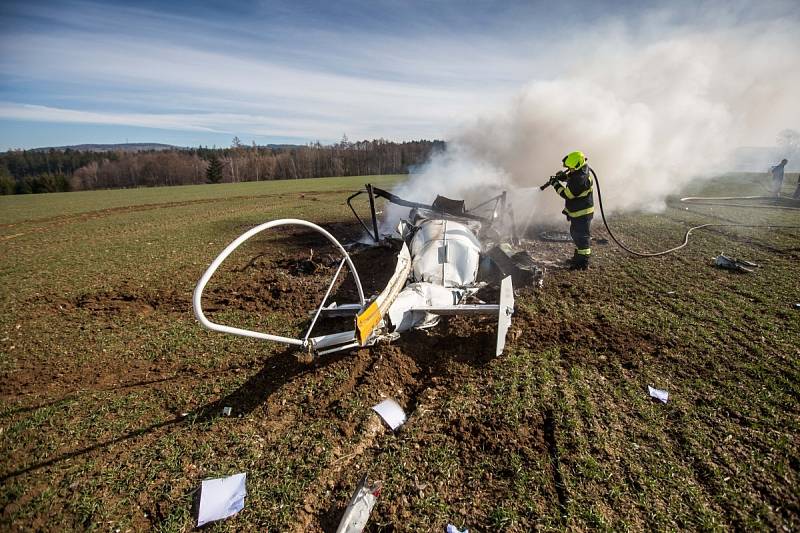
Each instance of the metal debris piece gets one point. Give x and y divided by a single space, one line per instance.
658 394
226 411
517 264
731 263
555 236
449 206
358 510
453 529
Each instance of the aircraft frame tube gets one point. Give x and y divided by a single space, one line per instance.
197 296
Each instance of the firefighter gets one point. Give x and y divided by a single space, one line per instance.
579 205
797 190
777 176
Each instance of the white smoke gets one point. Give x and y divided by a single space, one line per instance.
651 114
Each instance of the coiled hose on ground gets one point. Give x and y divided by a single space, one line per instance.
699 200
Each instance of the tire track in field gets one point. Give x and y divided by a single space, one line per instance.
62 220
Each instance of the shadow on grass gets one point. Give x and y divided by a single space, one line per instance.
277 371
78 394
93 447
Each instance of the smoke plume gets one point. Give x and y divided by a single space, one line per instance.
653 109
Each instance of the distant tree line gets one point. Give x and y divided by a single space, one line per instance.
54 170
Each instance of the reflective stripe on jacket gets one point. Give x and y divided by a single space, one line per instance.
578 193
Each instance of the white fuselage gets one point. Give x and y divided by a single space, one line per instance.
445 256
445 252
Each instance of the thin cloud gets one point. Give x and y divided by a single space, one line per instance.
305 70
259 125
129 66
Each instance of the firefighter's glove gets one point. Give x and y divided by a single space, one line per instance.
553 180
561 175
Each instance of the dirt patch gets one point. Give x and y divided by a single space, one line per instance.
581 339
140 302
267 290
295 280
551 247
477 434
105 373
122 300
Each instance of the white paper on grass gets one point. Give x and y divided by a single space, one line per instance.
658 394
221 498
391 412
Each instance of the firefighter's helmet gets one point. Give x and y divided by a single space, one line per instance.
574 160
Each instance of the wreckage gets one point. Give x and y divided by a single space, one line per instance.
446 255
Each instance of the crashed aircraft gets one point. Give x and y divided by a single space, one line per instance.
441 264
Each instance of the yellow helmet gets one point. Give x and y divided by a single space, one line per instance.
574 160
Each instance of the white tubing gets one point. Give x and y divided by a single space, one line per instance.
324 299
197 297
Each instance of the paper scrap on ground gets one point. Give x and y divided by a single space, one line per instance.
221 498
658 394
453 529
391 412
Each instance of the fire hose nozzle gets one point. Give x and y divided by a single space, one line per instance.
560 175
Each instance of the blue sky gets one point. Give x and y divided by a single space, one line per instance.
191 73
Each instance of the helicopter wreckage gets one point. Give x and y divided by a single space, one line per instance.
445 255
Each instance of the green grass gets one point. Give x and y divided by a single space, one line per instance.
115 411
21 208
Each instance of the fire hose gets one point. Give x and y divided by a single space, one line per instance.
691 199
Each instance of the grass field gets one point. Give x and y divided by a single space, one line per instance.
111 394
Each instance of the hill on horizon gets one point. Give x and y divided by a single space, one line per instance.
141 147
125 147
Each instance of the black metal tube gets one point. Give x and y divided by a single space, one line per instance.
350 205
376 236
